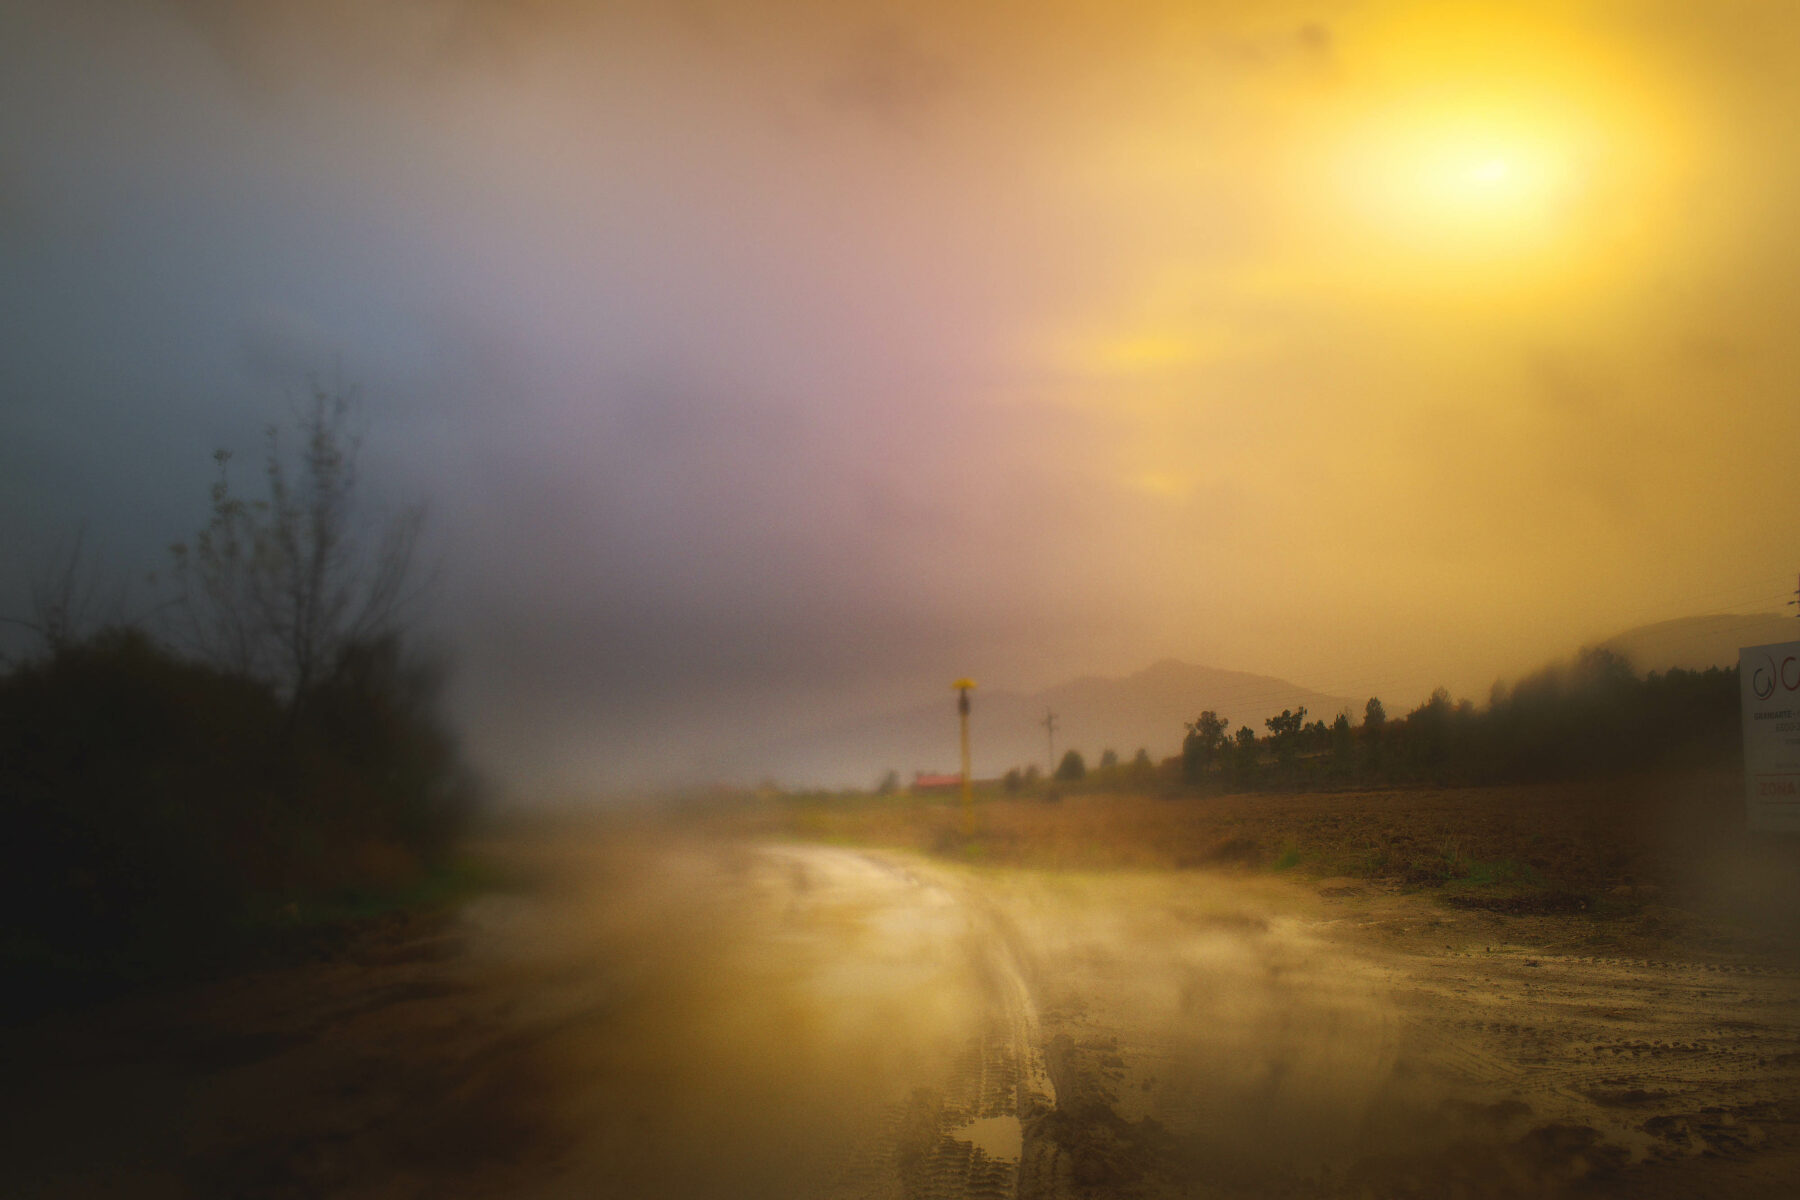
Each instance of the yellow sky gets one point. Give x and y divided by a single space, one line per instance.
1492 329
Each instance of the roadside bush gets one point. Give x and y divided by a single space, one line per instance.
372 750
155 806
136 792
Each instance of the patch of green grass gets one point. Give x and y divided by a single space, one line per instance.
1289 859
1498 873
440 887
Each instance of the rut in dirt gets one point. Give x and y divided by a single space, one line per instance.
970 1134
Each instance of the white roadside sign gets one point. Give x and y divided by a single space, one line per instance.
1769 684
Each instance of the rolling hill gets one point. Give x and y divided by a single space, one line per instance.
1696 643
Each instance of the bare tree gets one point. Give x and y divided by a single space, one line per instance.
281 588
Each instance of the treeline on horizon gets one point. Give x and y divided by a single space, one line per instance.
1592 717
264 758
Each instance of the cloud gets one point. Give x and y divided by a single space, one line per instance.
889 77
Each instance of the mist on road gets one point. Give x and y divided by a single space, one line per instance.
769 1019
739 1017
666 1013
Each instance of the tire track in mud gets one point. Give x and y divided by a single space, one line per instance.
959 1141
1643 1061
961 1136
1047 1100
1091 1122
971 1142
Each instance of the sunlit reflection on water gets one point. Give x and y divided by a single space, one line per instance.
998 1137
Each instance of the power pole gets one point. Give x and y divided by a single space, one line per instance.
962 687
1049 723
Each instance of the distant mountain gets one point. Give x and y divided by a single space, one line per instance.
1696 643
1148 709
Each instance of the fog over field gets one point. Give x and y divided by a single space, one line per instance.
764 365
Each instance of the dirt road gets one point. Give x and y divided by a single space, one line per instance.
667 1016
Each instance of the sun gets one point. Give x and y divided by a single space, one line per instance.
1465 183
1490 174
1466 136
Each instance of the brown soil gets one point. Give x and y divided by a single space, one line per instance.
1654 861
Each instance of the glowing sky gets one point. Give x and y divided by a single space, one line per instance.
764 362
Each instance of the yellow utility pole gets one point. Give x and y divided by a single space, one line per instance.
962 687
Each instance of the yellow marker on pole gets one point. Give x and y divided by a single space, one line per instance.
962 687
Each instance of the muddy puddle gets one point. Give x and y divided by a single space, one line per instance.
1000 1138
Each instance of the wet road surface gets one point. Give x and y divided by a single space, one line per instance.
675 1017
